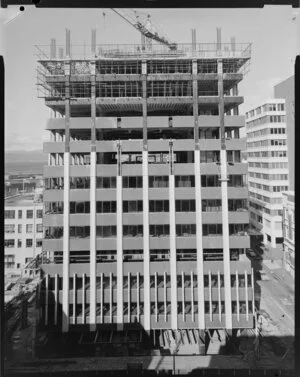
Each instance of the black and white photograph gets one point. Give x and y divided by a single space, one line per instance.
149 198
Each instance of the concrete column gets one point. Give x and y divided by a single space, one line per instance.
173 267
101 301
110 297
210 295
246 294
219 296
224 193
198 196
55 298
66 216
183 297
138 295
165 295
145 202
83 299
235 93
74 299
93 221
47 299
128 298
252 286
237 296
119 245
192 296
155 297
93 251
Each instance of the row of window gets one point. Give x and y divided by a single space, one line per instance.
162 308
28 243
159 281
267 131
265 198
268 154
268 188
274 177
268 165
10 228
178 133
266 119
129 182
137 230
11 214
265 143
137 255
208 205
258 207
111 158
264 108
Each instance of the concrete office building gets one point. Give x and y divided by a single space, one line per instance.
288 225
267 168
286 90
145 190
23 232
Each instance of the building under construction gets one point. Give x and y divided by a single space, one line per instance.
145 193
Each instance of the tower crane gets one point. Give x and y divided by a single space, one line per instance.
145 27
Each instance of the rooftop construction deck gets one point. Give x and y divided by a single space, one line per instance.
119 77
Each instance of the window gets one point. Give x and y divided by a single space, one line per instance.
9 261
106 182
106 231
9 214
158 206
39 213
80 207
29 242
19 228
39 228
132 206
29 228
19 243
19 214
185 181
158 181
185 205
132 182
212 229
39 242
29 214
106 207
9 228
79 183
184 230
9 243
159 230
211 205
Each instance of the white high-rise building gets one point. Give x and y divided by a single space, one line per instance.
267 168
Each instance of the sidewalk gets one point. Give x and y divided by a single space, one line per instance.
279 272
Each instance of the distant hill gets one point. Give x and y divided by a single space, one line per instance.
25 156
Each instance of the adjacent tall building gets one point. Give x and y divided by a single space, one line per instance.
146 195
286 90
267 168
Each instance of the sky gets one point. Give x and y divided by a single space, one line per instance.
271 30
